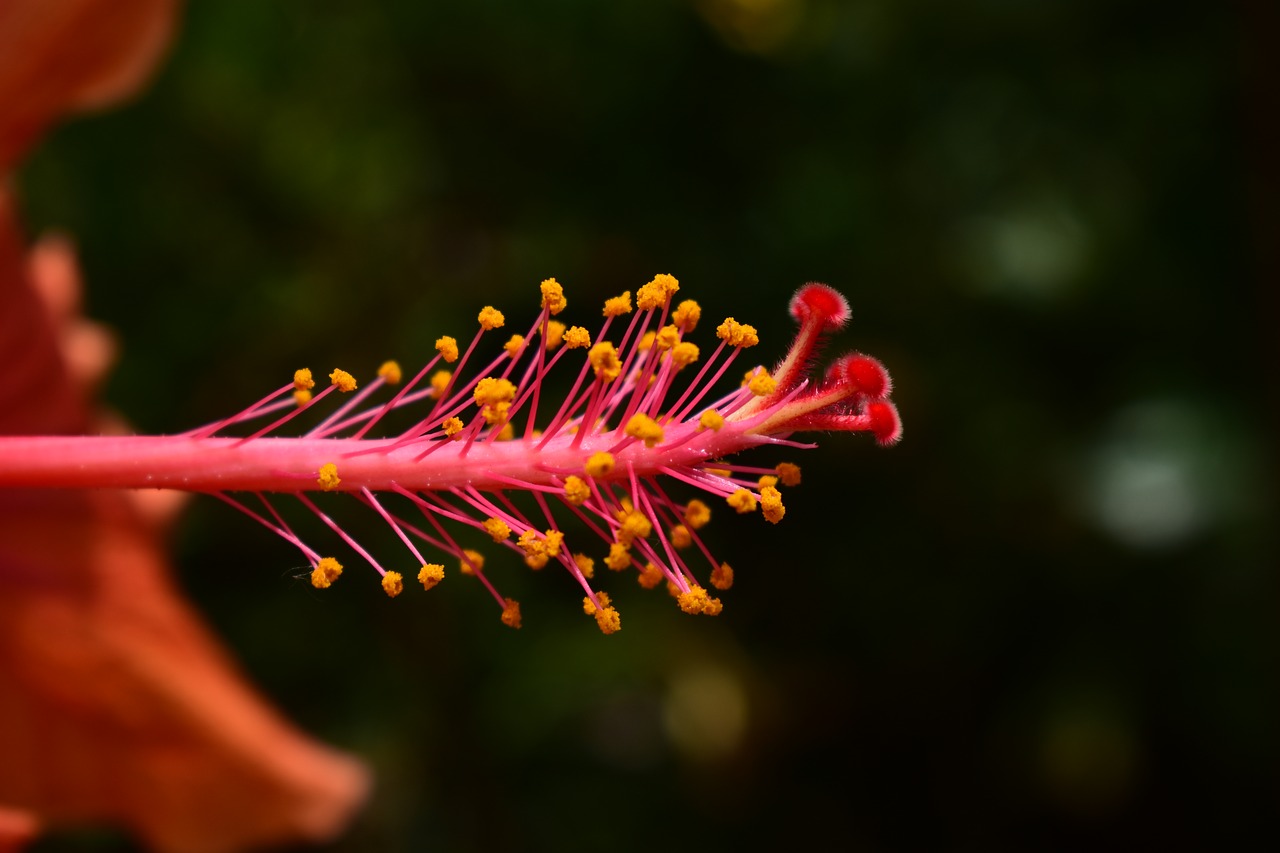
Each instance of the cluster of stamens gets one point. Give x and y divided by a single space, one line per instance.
490 454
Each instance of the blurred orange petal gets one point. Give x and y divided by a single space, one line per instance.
62 55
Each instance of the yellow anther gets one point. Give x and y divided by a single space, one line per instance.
440 381
326 572
589 606
471 562
490 391
696 600
576 490
656 292
717 472
302 380
393 583
554 542
343 380
789 472
646 341
687 315
390 372
451 427
511 613
767 480
513 345
605 615
680 537
650 576
684 354
577 338
619 556
495 413
530 543
448 348
737 334
667 337
553 296
712 420
555 334
328 479
507 432
430 575
618 305
722 576
600 464
762 384
743 501
490 318
604 358
302 396
496 528
771 504
635 526
585 564
696 514
645 428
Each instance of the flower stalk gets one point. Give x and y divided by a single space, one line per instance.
632 422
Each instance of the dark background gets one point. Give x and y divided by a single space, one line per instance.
1046 620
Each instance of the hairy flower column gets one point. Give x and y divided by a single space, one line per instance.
632 422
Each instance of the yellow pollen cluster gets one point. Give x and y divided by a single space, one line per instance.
576 490
440 381
696 514
656 292
452 427
771 504
390 372
635 525
585 564
555 334
722 577
618 305
761 383
511 613
743 501
326 572
619 557
600 464
302 380
680 537
645 428
650 576
490 391
577 338
302 397
737 334
343 380
328 479
430 575
497 529
789 472
646 341
553 296
712 420
767 480
684 354
448 348
490 318
393 584
513 345
606 616
668 336
471 562
687 315
604 358
696 600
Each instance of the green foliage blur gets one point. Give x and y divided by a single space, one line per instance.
1045 621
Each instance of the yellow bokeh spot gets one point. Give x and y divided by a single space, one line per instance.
761 383
302 396
650 576
618 305
789 472
696 514
471 562
430 575
555 334
722 576
490 318
326 572
393 584
511 613
452 427
328 479
553 296
302 380
681 538
390 372
743 501
496 528
576 490
513 345
646 341
507 433
344 381
712 420
656 292
771 504
645 428
604 359
737 334
448 348
440 381
600 464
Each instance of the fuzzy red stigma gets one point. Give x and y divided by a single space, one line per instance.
817 301
886 426
868 375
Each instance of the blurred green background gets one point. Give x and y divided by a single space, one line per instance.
1046 620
